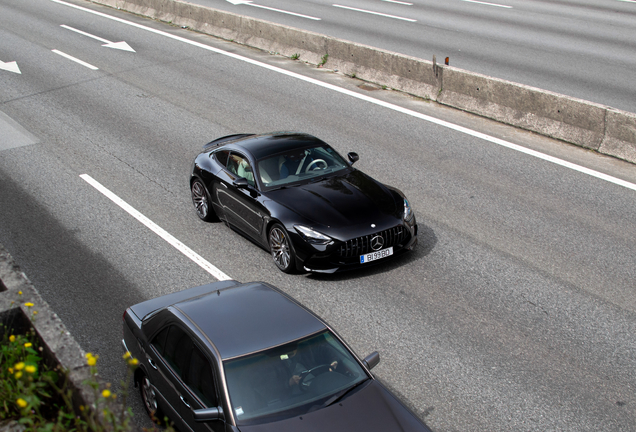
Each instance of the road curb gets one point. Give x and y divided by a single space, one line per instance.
586 124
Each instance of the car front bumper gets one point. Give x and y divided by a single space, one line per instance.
345 255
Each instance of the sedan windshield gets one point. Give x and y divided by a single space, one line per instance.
292 379
299 165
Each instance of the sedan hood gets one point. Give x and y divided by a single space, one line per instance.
346 200
372 408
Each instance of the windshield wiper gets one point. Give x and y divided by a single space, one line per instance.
317 179
335 398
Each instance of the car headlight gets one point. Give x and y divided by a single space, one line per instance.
408 211
312 236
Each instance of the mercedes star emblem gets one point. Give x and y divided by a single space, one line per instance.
377 242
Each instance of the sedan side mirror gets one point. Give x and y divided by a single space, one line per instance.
372 360
353 157
207 414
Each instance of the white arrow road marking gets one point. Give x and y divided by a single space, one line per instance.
76 60
249 3
198 259
108 44
10 66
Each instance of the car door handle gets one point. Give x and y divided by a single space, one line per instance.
184 401
151 363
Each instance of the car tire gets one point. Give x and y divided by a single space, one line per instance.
149 399
281 250
201 201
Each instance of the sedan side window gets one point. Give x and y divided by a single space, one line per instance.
199 378
174 346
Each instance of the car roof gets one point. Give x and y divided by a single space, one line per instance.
263 145
248 318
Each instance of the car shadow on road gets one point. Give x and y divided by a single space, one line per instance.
426 243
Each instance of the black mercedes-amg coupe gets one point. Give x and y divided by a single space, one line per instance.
294 195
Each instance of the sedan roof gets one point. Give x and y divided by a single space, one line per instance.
268 144
248 318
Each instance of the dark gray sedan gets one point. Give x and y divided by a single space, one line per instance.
247 357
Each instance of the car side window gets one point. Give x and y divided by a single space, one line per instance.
222 156
199 378
174 346
239 165
159 341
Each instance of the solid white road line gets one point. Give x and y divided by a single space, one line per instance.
205 265
398 2
374 13
369 99
76 60
284 11
488 4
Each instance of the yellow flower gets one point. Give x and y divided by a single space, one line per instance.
30 369
12 338
126 355
21 403
106 393
28 345
18 375
133 362
11 370
19 292
28 304
35 312
91 359
19 366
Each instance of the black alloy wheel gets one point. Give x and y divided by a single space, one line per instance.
149 398
201 201
280 247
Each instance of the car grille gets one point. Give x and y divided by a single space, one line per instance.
362 245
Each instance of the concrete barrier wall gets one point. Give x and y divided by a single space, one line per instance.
620 135
586 124
557 116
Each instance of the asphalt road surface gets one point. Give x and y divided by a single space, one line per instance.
581 48
515 312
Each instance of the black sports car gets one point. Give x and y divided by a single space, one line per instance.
230 357
295 196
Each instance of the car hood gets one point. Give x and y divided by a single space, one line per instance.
372 408
345 200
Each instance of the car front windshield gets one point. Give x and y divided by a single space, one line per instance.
299 166
291 380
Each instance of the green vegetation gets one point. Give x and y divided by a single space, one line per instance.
38 396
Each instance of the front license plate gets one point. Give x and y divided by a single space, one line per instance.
376 255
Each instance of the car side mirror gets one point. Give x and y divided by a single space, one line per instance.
353 157
241 183
207 414
372 360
